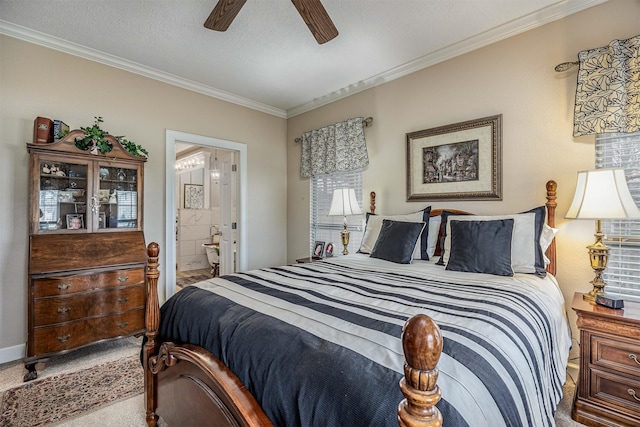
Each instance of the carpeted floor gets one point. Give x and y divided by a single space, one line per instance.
126 411
59 397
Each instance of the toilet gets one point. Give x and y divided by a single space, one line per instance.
213 256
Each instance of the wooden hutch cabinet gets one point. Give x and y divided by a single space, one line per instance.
87 254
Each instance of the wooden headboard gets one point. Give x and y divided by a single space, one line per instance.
551 204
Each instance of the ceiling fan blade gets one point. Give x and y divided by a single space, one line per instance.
317 19
223 14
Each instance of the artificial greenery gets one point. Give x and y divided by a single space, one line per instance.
132 147
94 140
94 137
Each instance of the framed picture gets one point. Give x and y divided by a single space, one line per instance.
318 249
75 221
328 250
462 161
102 220
193 196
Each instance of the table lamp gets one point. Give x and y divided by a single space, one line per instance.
601 194
344 203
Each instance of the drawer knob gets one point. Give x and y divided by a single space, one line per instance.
123 324
632 393
64 310
634 358
64 286
123 299
123 278
64 337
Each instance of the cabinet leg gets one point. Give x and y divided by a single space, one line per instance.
32 374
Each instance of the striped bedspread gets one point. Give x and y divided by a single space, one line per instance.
318 344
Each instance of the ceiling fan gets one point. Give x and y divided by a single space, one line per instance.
312 12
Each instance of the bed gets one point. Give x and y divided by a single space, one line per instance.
363 341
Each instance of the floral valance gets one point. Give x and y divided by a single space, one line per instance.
338 147
608 90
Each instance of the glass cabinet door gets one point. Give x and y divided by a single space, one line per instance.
63 196
117 197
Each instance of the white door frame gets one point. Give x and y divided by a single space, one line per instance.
172 137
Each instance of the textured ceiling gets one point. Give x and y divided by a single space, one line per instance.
268 59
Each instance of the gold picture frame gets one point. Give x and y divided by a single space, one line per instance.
462 161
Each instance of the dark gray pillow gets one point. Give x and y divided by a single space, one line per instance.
397 240
481 247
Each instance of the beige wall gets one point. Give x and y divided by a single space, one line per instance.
36 81
514 77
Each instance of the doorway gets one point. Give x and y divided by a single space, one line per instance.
196 189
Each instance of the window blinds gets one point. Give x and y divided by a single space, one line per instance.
327 228
622 150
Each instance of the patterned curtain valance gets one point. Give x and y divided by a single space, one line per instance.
338 147
608 91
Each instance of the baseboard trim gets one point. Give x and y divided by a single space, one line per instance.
10 354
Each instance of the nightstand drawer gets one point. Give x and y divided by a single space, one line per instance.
616 390
615 354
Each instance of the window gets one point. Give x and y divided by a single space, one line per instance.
622 150
327 228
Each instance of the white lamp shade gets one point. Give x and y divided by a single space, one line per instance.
602 194
344 202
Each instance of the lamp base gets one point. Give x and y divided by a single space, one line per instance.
598 255
345 240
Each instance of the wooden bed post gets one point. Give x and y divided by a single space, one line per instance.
422 345
372 202
551 204
152 323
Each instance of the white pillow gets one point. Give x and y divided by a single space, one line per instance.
523 241
546 237
432 237
374 224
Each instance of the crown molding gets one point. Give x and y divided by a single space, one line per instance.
52 42
526 23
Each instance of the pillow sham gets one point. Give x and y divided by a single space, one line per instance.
547 236
432 235
443 233
470 251
397 240
374 224
523 240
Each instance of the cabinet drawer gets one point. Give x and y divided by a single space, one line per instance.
80 332
616 390
615 354
61 309
77 283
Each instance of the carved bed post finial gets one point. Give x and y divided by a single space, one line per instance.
422 345
551 204
152 323
372 202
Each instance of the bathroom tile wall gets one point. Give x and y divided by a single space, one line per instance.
194 229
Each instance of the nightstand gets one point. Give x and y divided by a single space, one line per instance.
608 392
308 259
